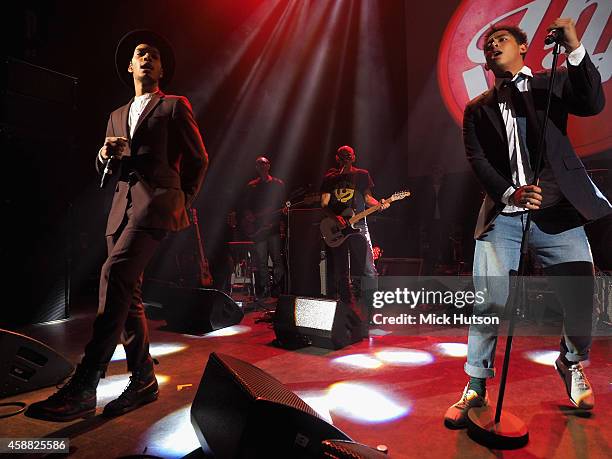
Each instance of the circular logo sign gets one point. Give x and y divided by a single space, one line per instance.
461 71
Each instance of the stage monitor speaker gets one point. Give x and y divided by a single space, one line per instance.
400 266
193 310
342 449
323 323
240 411
304 251
27 364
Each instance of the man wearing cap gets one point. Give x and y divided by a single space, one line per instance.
261 221
154 147
347 190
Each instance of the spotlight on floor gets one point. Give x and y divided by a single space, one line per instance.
408 357
364 403
542 357
319 402
358 361
451 349
112 386
229 331
155 349
172 436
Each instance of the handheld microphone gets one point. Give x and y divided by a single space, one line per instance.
554 36
108 171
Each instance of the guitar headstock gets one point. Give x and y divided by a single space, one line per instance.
399 195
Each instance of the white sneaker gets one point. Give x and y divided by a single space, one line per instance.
576 383
456 415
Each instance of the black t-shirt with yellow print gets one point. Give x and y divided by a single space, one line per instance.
346 190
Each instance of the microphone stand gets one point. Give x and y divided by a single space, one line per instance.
506 431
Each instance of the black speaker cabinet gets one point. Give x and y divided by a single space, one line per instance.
342 449
192 310
304 251
321 322
38 124
27 364
241 411
400 266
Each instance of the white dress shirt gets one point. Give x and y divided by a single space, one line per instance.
522 173
136 108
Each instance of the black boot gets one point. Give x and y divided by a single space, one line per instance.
75 399
142 389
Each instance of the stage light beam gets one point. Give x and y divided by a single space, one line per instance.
451 349
359 361
364 403
112 386
228 331
400 356
173 435
155 349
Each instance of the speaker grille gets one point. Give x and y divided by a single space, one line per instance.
313 313
260 385
341 449
241 411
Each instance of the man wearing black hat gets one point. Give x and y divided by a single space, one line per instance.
347 190
154 147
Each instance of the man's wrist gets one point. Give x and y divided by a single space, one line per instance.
507 196
100 158
575 56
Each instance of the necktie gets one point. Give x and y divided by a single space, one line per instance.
526 119
528 128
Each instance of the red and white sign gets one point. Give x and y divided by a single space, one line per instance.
461 72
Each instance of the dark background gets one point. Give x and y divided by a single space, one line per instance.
289 80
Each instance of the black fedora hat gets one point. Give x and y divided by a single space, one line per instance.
125 51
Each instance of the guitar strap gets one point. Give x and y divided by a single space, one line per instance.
358 194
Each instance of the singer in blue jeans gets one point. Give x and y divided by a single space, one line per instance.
557 245
501 131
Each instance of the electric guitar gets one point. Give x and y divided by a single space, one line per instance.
204 277
257 226
335 230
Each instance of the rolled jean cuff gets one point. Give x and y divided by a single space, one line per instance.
478 372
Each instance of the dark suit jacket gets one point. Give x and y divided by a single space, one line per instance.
577 90
168 160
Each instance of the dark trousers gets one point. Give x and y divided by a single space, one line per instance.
360 263
120 309
271 245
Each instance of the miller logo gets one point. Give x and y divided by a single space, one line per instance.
461 72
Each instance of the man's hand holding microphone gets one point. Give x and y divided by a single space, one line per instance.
527 197
114 149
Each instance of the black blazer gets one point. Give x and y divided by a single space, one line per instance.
167 161
577 90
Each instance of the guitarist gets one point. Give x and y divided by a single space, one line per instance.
347 190
262 222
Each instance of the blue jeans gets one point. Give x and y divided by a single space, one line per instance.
557 242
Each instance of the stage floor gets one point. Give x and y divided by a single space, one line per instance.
390 390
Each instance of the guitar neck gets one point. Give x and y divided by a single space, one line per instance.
363 214
394 197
